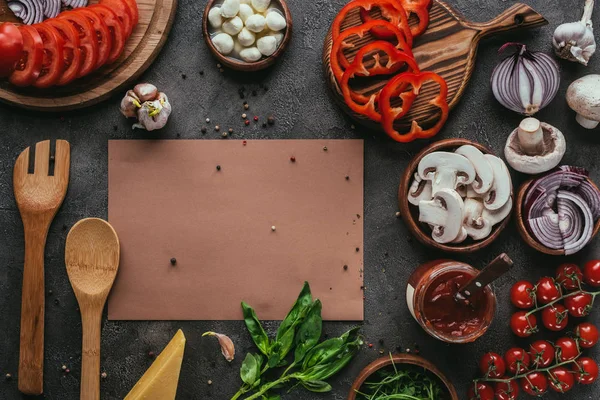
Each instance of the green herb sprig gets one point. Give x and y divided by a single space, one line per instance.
298 336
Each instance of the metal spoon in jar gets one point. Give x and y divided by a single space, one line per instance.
498 267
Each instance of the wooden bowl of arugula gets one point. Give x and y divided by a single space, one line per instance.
402 374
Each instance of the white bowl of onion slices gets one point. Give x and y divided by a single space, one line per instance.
559 212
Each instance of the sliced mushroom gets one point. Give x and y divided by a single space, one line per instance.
583 97
476 226
484 174
500 192
499 215
444 212
419 190
462 236
446 170
534 147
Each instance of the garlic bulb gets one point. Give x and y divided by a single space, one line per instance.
574 41
151 107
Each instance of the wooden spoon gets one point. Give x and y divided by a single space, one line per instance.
92 258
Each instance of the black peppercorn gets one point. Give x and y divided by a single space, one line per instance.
271 120
183 76
173 261
201 72
218 167
345 268
203 129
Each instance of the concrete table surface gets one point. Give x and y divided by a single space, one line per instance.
295 93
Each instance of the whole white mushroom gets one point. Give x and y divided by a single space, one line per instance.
223 42
266 45
261 5
233 26
255 23
214 17
245 12
230 8
275 21
583 96
246 38
250 54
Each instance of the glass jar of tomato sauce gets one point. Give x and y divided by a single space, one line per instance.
430 298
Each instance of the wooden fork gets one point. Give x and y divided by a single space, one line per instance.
39 196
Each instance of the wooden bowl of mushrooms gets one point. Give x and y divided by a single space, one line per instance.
456 196
247 35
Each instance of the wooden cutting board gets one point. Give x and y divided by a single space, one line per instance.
448 47
146 41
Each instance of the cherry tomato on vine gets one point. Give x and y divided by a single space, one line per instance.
586 370
547 290
569 276
591 272
566 349
561 379
492 365
481 391
587 335
541 353
517 360
555 318
507 391
535 383
522 294
579 305
523 325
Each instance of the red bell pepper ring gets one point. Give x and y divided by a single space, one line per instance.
390 114
396 60
418 7
391 10
337 58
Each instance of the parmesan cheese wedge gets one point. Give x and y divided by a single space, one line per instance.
161 379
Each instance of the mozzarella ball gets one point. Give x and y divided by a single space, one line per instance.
214 17
275 21
261 5
223 42
266 45
255 23
245 12
278 37
246 38
248 2
233 26
251 54
237 47
230 8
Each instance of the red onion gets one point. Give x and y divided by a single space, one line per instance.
29 11
560 209
51 8
525 82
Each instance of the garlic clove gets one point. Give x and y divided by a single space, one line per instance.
227 346
245 12
275 21
214 17
250 54
256 23
145 91
266 45
230 8
246 38
223 43
233 26
130 104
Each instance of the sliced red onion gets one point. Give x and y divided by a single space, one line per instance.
29 11
590 195
51 8
526 81
570 204
546 230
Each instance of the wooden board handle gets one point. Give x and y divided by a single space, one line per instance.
519 16
91 320
31 359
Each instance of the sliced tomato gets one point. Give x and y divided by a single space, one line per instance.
102 35
133 7
11 47
123 12
29 65
53 63
88 44
71 49
115 29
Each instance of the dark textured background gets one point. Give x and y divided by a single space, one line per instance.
297 96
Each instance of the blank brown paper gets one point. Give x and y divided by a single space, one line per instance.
254 230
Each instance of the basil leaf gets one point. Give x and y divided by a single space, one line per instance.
329 349
317 386
286 342
250 370
259 336
309 332
297 312
334 365
270 397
